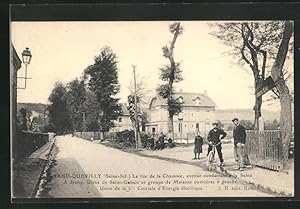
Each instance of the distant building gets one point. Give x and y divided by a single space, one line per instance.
123 122
198 111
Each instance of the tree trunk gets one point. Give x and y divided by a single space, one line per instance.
172 77
257 111
138 135
283 91
285 116
258 100
171 126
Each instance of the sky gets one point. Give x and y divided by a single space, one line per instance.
62 50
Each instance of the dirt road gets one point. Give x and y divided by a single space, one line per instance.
87 169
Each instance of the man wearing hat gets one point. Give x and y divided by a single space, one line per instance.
214 136
239 137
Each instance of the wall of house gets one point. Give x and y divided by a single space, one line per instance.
124 124
192 116
15 64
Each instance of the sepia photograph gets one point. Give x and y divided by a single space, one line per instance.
152 109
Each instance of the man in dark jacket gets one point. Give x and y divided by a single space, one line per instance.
214 136
239 137
160 144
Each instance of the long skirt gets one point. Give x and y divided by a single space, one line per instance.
198 149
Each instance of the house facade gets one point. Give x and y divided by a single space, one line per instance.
198 111
123 122
15 65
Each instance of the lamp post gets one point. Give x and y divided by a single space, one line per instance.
26 57
180 118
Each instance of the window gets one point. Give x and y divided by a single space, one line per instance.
197 125
179 127
197 101
180 99
120 120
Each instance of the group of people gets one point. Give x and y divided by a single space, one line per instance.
214 138
161 143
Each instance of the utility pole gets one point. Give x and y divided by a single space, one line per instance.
136 110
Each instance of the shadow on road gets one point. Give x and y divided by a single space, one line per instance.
68 179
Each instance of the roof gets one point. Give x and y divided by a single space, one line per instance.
189 99
125 111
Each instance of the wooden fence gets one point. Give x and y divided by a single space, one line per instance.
265 149
95 135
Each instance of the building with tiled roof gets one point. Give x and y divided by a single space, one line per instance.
198 111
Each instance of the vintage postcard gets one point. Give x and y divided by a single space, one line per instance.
131 109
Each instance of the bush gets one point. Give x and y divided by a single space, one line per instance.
126 137
247 124
145 138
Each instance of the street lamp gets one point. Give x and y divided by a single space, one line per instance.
26 57
180 118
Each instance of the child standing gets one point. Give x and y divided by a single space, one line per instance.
198 145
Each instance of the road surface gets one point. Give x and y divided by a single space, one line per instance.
86 169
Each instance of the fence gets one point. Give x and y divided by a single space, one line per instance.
265 149
96 135
28 142
184 138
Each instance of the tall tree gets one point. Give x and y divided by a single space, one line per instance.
91 110
103 82
255 45
171 73
58 109
138 87
281 86
75 96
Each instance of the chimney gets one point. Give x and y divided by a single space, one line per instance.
205 92
180 90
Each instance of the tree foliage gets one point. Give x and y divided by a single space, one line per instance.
253 44
91 110
59 114
75 96
247 124
22 120
103 82
274 125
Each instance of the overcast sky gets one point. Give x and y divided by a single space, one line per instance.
62 50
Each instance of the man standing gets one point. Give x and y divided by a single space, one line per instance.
239 137
214 136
